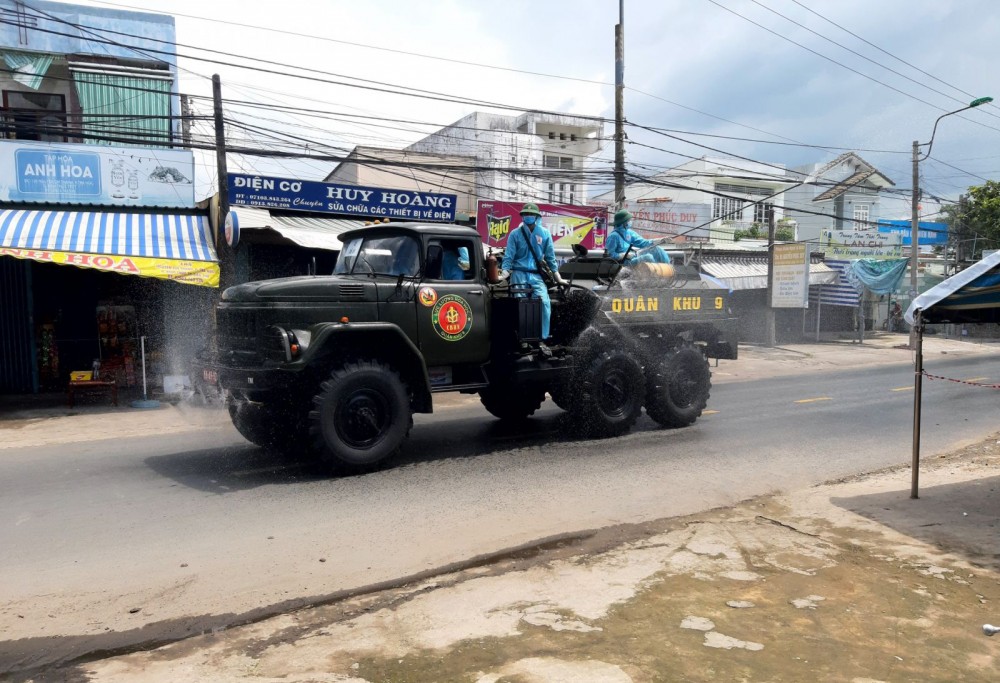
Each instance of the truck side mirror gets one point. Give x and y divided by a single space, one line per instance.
435 259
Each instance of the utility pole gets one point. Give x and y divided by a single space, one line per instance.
185 119
227 255
915 231
620 106
770 337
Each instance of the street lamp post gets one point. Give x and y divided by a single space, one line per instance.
914 217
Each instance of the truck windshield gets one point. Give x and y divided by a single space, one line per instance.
393 255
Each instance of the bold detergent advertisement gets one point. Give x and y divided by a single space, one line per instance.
568 224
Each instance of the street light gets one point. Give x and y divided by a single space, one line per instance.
914 218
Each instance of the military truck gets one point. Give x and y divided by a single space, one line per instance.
337 365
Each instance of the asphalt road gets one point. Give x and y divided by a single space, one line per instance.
110 544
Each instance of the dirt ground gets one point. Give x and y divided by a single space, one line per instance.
849 581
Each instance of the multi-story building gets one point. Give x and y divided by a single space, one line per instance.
100 238
531 157
842 194
707 199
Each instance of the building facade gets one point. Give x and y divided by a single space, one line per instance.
707 199
101 242
530 157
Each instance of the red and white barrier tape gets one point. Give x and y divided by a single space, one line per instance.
960 381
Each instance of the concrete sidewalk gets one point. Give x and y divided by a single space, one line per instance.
847 581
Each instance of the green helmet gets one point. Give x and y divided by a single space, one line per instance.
622 217
530 209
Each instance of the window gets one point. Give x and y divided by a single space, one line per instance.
565 163
386 255
760 211
552 135
456 260
35 116
861 216
572 137
727 209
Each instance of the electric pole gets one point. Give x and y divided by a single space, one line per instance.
620 106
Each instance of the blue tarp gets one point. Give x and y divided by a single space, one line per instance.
972 296
878 276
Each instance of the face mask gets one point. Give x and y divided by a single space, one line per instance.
529 220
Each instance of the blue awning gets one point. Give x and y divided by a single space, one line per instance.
166 246
148 235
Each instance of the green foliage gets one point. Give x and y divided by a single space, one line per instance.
975 224
784 231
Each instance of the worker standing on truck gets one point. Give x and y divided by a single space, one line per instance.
530 259
624 241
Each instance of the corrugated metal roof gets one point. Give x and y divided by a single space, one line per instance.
306 231
742 273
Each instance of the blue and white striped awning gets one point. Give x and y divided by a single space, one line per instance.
839 293
160 236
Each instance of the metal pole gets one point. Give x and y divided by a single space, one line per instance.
142 345
918 376
770 338
620 106
914 232
220 150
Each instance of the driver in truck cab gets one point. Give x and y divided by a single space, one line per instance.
456 263
625 242
529 251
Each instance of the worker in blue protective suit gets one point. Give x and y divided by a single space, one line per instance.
529 250
456 263
623 241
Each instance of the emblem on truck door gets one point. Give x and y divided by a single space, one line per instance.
428 296
452 317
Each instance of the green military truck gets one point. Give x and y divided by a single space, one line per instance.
337 365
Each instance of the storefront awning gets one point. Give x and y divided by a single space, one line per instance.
747 273
166 246
306 231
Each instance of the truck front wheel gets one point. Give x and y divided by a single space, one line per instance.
361 415
610 394
677 389
511 403
266 425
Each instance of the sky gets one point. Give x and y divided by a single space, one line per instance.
865 75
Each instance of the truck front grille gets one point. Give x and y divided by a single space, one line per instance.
236 329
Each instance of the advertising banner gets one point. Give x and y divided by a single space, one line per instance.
568 224
670 219
64 173
855 244
790 276
355 200
929 232
201 273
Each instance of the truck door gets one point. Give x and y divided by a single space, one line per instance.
452 315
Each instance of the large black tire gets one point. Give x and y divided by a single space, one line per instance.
678 387
511 403
361 415
268 426
610 393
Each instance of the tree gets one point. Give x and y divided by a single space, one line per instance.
974 224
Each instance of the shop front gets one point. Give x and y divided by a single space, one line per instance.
81 288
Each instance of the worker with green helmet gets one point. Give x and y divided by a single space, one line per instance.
626 245
528 255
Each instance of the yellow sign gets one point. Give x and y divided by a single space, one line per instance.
636 304
201 273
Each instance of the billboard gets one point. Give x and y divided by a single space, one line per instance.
356 200
790 275
568 224
68 173
653 219
855 244
930 233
